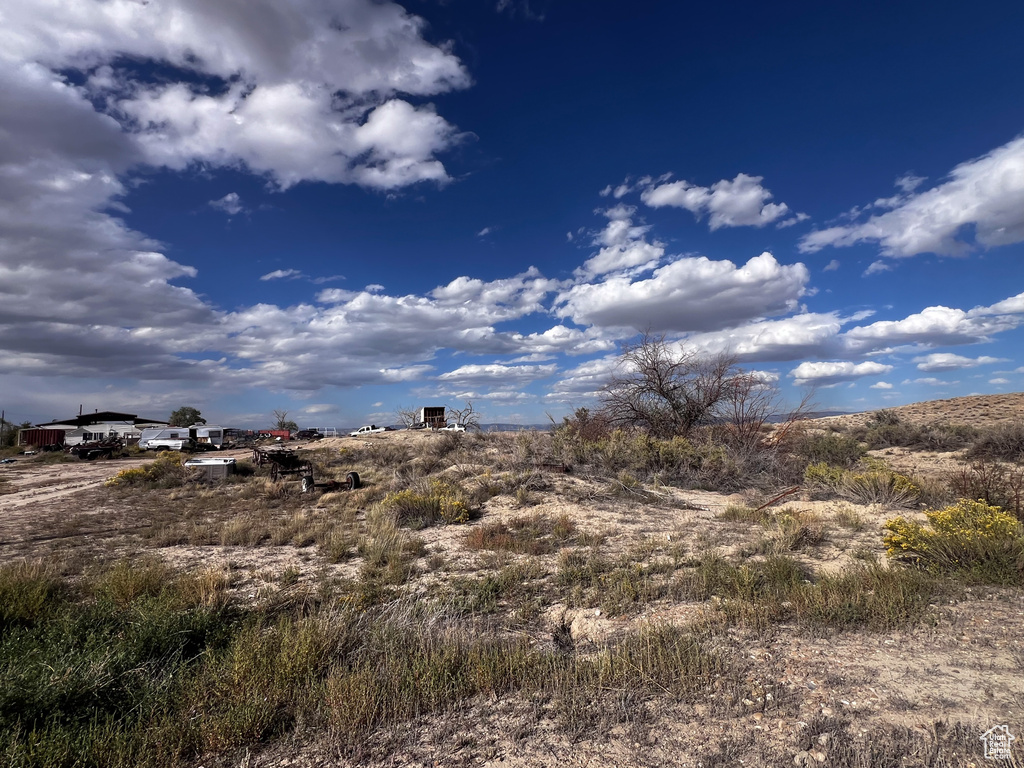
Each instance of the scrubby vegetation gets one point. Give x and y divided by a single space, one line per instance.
886 430
166 471
134 666
473 580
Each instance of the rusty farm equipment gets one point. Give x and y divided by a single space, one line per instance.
284 462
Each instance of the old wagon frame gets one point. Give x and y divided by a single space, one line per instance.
284 462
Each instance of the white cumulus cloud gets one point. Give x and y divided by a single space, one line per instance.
741 202
688 294
947 361
472 375
283 274
984 196
231 204
828 373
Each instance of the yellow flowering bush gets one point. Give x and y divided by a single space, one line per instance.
451 501
128 477
967 536
167 466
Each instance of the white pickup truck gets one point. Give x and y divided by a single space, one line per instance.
369 429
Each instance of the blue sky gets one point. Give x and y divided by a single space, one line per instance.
342 207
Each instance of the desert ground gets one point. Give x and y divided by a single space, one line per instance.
573 564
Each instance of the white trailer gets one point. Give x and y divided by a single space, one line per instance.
210 434
162 433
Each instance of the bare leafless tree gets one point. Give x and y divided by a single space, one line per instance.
467 416
406 415
750 402
281 421
667 389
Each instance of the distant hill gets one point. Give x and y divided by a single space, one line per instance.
976 410
515 427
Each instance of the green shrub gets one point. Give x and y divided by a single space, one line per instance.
1004 441
823 478
830 448
969 537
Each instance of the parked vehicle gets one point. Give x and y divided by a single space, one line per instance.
369 429
452 427
149 434
308 434
171 444
418 425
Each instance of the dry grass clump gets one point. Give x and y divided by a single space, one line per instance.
778 589
786 530
514 587
383 453
27 589
871 482
848 517
529 535
790 530
615 586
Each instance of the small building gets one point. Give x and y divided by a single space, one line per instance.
432 415
99 425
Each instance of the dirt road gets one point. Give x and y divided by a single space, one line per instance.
39 483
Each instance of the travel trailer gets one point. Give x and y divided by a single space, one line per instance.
202 434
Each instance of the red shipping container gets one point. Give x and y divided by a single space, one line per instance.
41 437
